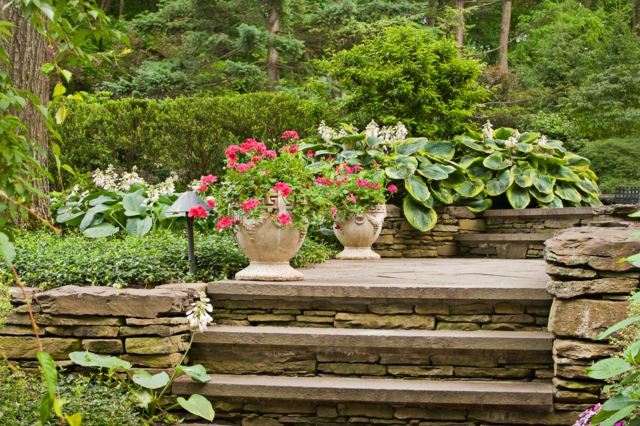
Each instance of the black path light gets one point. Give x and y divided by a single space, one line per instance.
185 202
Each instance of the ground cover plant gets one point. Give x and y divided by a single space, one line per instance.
46 260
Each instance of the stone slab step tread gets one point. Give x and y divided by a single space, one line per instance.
377 338
391 391
522 237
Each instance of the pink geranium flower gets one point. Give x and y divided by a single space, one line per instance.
250 204
392 189
283 188
285 218
290 134
323 181
310 153
352 198
211 202
197 212
224 222
208 179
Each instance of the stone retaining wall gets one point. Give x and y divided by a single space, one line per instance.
450 237
145 327
590 287
445 315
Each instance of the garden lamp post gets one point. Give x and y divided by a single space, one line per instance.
185 202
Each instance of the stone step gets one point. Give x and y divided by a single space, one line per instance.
511 292
485 394
444 354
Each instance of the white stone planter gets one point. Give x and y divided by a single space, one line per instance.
269 246
359 232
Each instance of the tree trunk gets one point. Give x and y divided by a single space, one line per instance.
503 47
273 27
27 50
121 10
460 26
433 15
587 3
635 16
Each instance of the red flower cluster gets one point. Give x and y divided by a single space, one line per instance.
224 222
198 212
290 134
285 218
211 201
291 149
250 204
324 181
245 156
352 198
392 189
205 181
283 188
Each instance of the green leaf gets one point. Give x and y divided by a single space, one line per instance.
195 372
478 206
564 173
568 193
143 398
102 199
61 114
607 368
618 326
444 149
417 188
133 203
46 9
528 137
420 217
198 405
476 146
89 359
478 171
542 198
402 167
442 194
46 409
74 420
619 415
59 89
496 162
49 372
411 146
100 231
576 160
543 183
522 177
47 68
500 184
150 381
503 133
139 227
556 203
67 75
518 197
588 186
435 171
90 215
7 250
469 188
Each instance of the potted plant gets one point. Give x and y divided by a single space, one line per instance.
358 196
269 198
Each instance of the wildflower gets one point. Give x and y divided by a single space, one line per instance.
285 218
224 222
392 189
310 154
198 315
198 212
352 198
283 188
290 134
211 201
250 204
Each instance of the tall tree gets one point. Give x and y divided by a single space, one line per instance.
635 16
273 28
503 46
460 24
27 51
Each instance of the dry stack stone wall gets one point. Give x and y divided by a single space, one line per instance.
590 288
145 327
503 233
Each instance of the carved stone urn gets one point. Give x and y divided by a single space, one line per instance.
269 245
359 232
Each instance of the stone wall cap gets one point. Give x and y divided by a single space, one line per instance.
540 212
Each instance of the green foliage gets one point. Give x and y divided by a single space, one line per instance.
184 135
615 161
100 402
412 75
476 170
46 260
5 303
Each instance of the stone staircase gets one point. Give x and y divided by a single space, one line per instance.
398 341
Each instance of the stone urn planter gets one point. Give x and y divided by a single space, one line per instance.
359 232
269 245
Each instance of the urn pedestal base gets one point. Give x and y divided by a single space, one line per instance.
269 271
358 253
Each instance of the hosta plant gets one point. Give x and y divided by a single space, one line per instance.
472 170
116 202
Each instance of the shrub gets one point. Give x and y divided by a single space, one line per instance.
46 260
615 161
409 74
99 402
187 135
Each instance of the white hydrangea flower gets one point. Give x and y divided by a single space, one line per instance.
372 130
487 130
198 315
